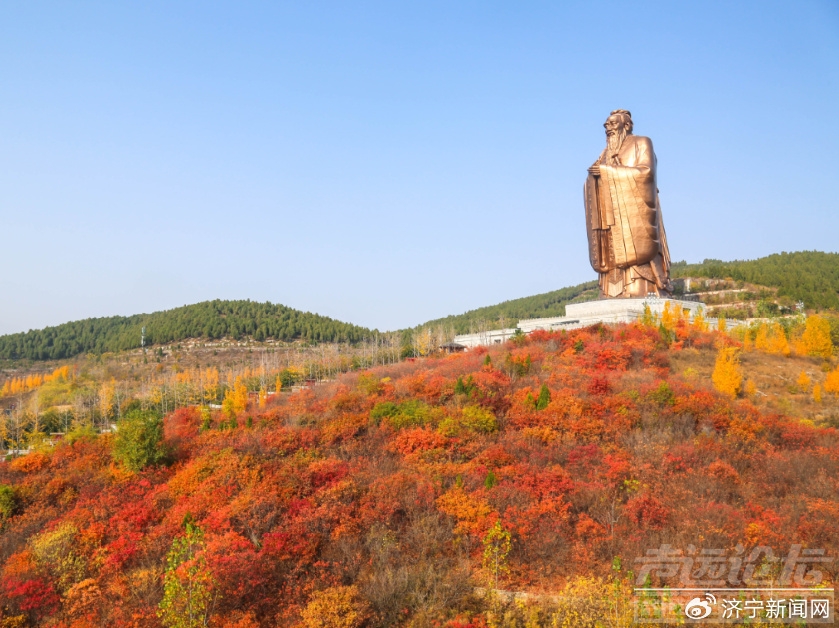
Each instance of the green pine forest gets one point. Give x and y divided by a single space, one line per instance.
808 276
210 320
538 306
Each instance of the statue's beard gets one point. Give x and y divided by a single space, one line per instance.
614 142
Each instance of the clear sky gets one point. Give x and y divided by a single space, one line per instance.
387 163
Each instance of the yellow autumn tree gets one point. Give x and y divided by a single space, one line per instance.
107 393
816 339
682 314
61 373
817 393
831 382
423 341
728 376
235 399
336 607
699 322
669 316
778 343
761 342
803 381
210 381
721 324
771 338
648 319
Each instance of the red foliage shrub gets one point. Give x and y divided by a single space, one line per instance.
417 440
647 511
313 495
599 386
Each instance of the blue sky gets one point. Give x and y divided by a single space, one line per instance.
387 163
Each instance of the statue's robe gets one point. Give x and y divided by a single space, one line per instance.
627 243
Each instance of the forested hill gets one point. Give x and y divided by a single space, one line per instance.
210 320
808 276
508 313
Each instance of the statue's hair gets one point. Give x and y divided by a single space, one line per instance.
627 118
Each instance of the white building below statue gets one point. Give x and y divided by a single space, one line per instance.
606 311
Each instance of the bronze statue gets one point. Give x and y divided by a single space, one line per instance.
627 243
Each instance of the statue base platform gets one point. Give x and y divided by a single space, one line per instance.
606 311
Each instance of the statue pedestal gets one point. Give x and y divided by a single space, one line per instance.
606 311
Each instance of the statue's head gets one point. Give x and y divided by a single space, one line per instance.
619 122
618 125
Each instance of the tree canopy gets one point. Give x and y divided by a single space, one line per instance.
508 313
211 320
809 276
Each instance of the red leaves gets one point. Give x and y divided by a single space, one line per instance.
181 425
647 512
32 595
797 436
122 550
327 472
491 383
723 472
618 467
675 462
584 455
31 463
417 440
599 386
625 455
542 484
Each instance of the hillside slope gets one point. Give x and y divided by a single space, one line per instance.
376 497
210 320
808 276
508 313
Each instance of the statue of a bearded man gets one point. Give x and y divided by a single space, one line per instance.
627 243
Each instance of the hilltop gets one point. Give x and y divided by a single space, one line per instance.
808 276
508 313
740 289
760 287
210 320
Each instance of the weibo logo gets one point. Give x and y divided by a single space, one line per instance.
698 608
